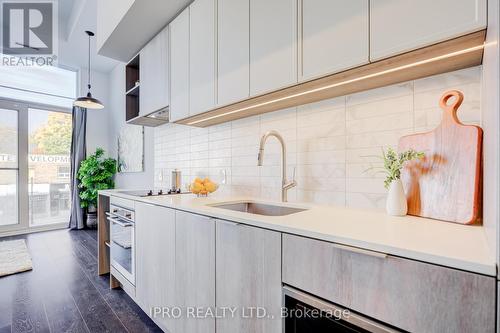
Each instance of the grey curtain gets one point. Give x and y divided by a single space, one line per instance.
78 153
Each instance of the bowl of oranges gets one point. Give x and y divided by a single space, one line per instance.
201 187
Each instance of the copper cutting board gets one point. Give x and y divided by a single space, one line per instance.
445 184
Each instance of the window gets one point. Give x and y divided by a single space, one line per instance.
41 85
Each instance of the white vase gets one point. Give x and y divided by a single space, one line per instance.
396 200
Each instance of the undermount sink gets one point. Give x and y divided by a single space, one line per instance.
259 208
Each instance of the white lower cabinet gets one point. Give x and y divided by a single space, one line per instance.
248 275
205 266
202 265
155 264
411 295
194 272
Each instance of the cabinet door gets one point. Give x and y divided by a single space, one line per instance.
194 270
154 76
334 36
233 51
202 56
155 264
179 66
411 295
273 44
401 26
248 275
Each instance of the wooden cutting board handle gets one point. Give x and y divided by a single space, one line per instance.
450 110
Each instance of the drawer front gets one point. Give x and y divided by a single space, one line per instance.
123 203
128 287
408 294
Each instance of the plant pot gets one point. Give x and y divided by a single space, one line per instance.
92 220
396 199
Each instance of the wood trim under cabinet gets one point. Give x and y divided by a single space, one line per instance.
266 103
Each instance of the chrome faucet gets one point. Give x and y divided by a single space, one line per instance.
285 184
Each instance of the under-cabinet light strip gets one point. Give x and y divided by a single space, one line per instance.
369 76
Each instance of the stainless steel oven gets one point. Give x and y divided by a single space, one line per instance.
122 241
305 313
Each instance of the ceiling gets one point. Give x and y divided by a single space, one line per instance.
142 21
76 16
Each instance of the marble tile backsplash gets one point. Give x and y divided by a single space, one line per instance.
330 144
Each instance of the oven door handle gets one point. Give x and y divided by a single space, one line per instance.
120 223
113 215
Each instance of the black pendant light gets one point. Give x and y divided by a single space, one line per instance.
88 101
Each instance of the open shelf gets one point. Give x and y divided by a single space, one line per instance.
132 73
132 88
134 91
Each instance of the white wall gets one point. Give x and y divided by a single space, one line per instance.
138 180
330 143
491 125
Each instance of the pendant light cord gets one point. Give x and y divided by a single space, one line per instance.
88 84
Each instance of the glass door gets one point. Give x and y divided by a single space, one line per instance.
12 117
49 141
9 167
34 167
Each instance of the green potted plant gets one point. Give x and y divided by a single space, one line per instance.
96 173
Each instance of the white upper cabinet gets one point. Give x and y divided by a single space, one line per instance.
154 74
233 51
273 45
202 56
404 25
334 36
179 66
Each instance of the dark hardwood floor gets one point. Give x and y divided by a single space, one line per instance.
63 292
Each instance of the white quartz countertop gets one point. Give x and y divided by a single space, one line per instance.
448 244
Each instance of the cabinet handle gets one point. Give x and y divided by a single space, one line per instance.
361 251
235 224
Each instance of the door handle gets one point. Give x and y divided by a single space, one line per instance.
117 216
